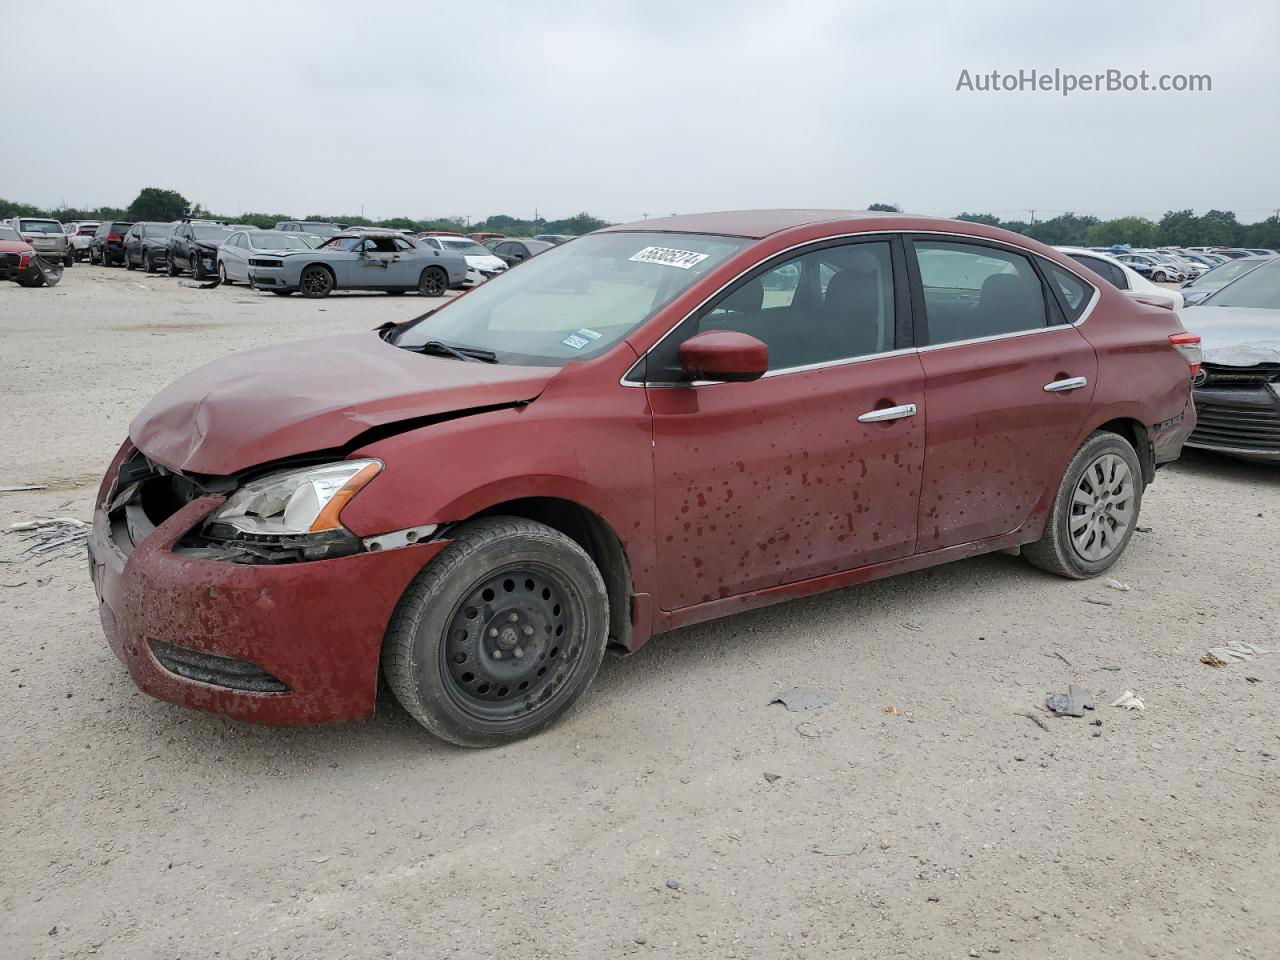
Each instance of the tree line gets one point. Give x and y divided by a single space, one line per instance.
1177 228
154 203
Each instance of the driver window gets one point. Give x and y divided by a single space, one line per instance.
833 304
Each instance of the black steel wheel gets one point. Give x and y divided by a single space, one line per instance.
316 281
433 282
500 634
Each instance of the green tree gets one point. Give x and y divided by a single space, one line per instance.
1179 228
884 208
1067 229
1220 228
1135 231
152 203
990 219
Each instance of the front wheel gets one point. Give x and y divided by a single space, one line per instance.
171 266
500 633
433 282
1095 511
197 268
315 282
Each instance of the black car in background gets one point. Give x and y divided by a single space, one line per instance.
194 246
512 252
146 245
107 245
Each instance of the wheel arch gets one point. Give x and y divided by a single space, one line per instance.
1135 431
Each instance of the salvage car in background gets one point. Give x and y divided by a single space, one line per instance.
194 246
79 235
1123 277
512 252
46 237
1237 392
20 262
1194 291
248 250
107 245
371 259
482 265
316 228
146 245
654 425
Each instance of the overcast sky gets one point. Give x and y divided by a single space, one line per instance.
622 109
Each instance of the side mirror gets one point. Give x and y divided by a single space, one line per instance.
724 355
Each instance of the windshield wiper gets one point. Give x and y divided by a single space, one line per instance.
439 347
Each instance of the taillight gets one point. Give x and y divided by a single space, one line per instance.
114 237
24 261
1187 344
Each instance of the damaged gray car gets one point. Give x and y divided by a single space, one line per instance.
1237 390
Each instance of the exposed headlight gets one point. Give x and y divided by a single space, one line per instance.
296 502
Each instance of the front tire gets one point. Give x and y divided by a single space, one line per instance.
197 268
1095 512
500 633
315 282
433 282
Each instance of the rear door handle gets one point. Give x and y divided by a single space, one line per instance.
1071 383
888 413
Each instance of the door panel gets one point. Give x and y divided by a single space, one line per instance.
775 481
996 440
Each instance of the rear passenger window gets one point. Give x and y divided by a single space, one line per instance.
973 291
832 304
1073 292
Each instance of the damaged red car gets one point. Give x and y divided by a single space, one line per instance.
654 425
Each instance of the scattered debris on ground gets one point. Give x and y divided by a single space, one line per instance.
1117 585
20 487
892 710
1034 718
773 777
1073 703
1129 701
50 536
798 699
1234 651
1097 602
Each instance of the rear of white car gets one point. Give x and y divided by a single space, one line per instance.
79 233
482 265
46 237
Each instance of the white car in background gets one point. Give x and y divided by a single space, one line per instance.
79 233
482 265
246 249
1123 277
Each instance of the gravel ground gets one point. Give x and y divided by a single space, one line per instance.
644 825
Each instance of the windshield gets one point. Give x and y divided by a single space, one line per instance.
8 233
320 229
576 300
1223 273
467 248
1259 287
39 226
210 233
273 240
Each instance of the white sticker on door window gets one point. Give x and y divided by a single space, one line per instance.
669 256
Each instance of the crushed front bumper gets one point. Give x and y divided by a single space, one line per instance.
280 644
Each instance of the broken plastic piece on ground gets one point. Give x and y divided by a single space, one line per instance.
1073 703
20 487
798 699
1129 701
773 777
1233 652
50 534
1100 603
892 710
1117 585
199 286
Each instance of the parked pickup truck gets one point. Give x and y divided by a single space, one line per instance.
194 246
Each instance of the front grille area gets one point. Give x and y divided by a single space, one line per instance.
1218 375
212 669
1243 415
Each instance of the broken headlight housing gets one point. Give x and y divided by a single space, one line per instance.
295 509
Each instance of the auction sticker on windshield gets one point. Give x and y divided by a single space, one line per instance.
669 256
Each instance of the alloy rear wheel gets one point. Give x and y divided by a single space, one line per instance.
433 282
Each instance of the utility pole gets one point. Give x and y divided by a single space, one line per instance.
1033 218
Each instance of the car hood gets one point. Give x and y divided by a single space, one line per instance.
1235 336
262 405
485 263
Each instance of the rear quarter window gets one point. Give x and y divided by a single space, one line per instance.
1073 293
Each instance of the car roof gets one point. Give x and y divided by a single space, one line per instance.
761 223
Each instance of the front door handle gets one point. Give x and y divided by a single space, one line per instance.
888 413
1061 386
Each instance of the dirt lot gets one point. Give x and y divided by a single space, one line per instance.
644 824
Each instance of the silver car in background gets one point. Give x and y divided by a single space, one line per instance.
47 237
246 250
370 260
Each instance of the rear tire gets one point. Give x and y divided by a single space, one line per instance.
148 266
128 261
1095 511
433 282
171 266
499 635
222 274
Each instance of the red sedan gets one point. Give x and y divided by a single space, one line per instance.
654 425
18 259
